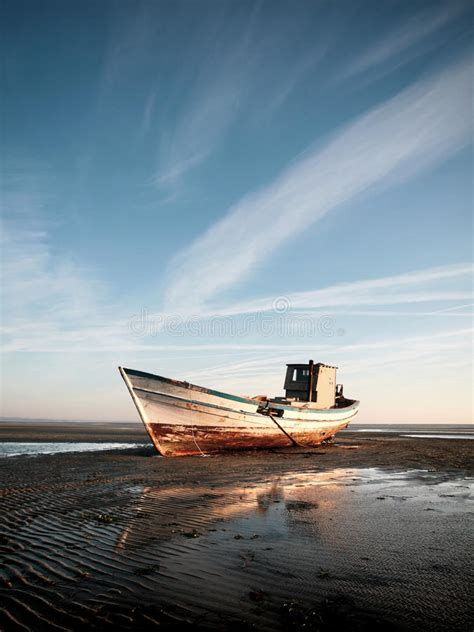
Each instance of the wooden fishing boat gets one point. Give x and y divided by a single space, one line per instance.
185 419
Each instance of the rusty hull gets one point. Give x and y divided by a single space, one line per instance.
187 440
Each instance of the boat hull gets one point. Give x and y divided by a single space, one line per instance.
183 419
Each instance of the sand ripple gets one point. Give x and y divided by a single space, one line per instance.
125 543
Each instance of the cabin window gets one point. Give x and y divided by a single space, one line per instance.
300 375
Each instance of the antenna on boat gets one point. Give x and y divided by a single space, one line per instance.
310 381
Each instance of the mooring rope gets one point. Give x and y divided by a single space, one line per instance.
284 431
194 439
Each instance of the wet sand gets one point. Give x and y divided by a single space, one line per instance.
372 532
73 431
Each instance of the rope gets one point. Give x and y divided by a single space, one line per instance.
284 431
195 442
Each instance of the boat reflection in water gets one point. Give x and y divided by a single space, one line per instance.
161 514
312 536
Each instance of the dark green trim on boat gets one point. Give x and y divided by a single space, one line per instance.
234 398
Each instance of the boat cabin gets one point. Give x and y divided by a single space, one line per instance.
311 382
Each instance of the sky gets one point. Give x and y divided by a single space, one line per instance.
208 190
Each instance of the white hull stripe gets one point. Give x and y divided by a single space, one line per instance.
186 386
175 399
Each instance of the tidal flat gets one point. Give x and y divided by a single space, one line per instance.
371 532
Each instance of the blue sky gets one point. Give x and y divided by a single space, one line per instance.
208 190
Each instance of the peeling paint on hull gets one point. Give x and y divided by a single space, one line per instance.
192 440
188 440
183 419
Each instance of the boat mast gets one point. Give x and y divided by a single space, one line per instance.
310 381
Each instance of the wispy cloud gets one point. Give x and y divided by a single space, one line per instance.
302 68
230 66
264 371
222 65
410 133
453 309
419 286
401 43
199 129
52 305
46 295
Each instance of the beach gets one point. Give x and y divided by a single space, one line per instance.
370 532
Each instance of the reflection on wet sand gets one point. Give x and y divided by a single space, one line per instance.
393 544
315 535
161 514
190 511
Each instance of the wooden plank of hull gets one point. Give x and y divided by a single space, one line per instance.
186 420
188 440
144 382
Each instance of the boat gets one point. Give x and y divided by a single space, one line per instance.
183 419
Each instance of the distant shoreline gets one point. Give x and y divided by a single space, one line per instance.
134 432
